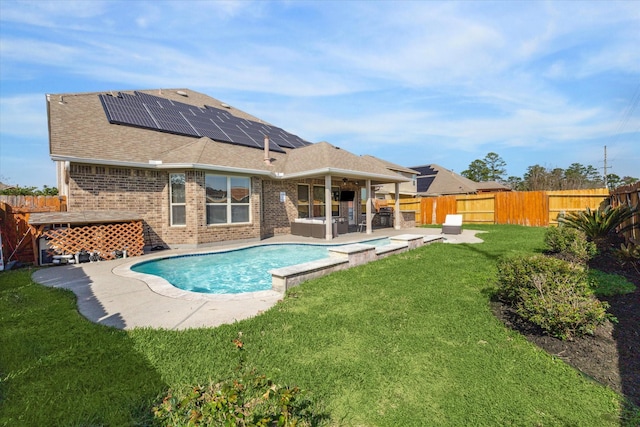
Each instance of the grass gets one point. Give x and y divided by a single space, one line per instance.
408 340
605 284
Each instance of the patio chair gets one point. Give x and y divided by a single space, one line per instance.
452 224
362 225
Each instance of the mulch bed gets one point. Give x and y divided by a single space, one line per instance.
612 355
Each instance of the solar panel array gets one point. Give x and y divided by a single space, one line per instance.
164 115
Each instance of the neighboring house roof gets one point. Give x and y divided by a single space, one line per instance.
4 186
79 131
435 180
491 186
392 166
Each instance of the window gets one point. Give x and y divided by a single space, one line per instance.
318 201
178 199
227 199
335 201
303 201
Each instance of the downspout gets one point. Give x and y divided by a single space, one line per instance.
64 179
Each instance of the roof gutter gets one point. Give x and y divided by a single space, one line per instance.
345 172
158 164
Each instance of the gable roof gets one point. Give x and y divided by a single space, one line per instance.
491 186
435 180
323 158
391 166
80 131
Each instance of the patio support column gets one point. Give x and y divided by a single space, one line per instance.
397 224
368 207
327 208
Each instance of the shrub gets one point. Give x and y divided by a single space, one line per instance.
551 293
597 224
569 244
251 399
629 254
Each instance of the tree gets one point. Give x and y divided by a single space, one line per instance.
29 191
613 181
536 178
515 183
477 171
496 166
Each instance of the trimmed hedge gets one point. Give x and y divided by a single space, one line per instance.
569 244
551 293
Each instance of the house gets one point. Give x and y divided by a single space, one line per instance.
387 191
199 171
435 180
4 186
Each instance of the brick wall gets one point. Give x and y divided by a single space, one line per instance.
277 214
103 188
147 192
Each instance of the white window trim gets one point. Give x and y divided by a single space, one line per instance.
309 200
172 204
228 203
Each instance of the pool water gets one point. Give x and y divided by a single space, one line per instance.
237 271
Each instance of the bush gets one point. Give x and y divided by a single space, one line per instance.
551 293
598 224
250 399
569 244
629 254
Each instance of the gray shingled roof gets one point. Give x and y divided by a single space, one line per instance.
391 166
80 132
83 217
446 181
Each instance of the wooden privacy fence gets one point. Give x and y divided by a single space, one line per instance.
629 195
36 203
18 241
64 233
531 208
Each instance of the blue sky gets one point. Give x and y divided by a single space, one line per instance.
548 83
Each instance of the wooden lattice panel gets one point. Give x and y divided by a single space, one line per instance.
104 239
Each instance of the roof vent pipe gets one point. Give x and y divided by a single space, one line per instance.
267 155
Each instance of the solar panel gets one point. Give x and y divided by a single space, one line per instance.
121 112
161 114
171 121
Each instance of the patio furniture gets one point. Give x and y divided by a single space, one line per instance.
312 227
452 224
362 225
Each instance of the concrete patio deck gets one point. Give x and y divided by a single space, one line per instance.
127 303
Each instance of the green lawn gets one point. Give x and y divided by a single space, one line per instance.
405 341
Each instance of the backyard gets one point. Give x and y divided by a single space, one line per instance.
408 340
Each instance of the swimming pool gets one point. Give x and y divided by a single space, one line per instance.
236 271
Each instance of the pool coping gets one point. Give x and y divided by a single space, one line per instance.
340 257
128 303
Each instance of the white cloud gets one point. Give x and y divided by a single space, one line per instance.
23 116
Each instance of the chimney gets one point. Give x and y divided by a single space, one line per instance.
267 155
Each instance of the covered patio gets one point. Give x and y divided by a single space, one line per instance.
348 182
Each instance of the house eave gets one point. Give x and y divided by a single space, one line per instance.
344 172
161 165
